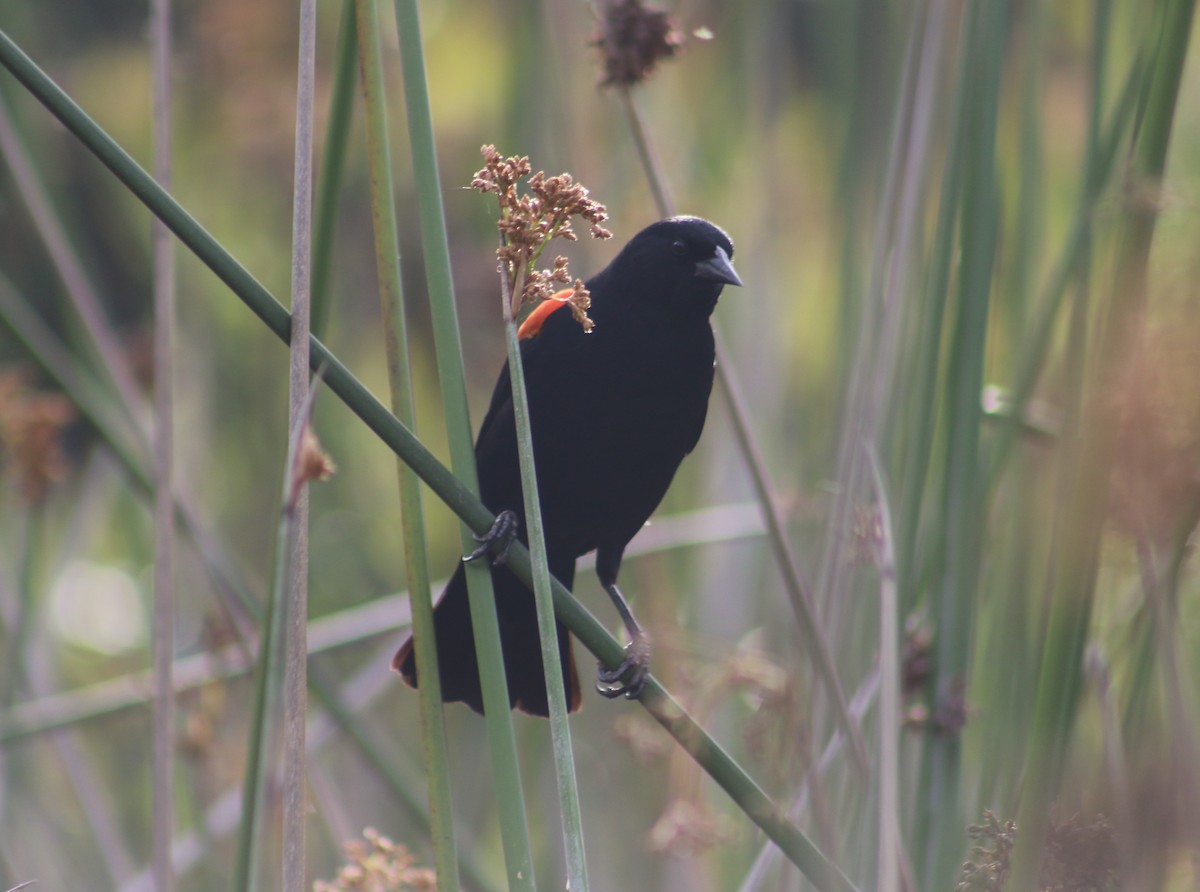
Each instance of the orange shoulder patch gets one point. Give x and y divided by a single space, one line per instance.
534 321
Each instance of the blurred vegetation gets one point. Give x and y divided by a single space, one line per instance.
955 251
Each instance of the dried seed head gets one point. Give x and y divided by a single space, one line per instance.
499 174
377 863
530 221
633 40
580 301
311 463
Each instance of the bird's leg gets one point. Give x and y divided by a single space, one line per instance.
609 682
497 539
637 656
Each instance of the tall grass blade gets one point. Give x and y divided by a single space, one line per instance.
514 827
387 264
164 489
333 166
1115 347
109 359
560 730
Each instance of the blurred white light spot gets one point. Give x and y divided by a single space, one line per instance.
98 607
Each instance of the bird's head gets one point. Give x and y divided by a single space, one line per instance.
682 261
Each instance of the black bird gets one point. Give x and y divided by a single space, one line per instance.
613 412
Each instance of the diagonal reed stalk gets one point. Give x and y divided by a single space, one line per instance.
449 488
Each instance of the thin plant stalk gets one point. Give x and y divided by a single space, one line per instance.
164 490
387 264
222 817
333 165
129 448
768 855
1116 761
110 359
251 833
449 488
798 589
502 744
907 176
855 414
889 693
94 802
560 729
271 692
20 632
295 602
1104 152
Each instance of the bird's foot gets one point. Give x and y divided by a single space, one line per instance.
611 683
498 539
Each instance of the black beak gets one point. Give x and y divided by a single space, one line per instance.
718 267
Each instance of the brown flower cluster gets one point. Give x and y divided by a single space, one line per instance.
991 855
530 220
376 864
31 427
1079 857
633 40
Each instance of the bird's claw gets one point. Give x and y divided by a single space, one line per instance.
610 682
498 539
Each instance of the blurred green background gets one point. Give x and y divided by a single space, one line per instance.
777 120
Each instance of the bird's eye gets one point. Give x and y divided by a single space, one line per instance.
679 248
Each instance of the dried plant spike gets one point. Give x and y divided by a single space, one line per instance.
312 463
499 174
530 221
580 301
633 39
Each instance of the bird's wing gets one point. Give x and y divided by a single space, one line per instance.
538 351
543 358
501 403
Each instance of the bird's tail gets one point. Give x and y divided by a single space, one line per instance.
458 664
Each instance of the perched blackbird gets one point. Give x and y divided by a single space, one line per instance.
613 411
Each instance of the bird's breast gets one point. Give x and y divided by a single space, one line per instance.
609 436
